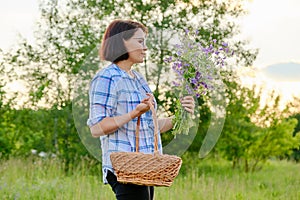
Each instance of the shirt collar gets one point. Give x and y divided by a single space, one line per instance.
124 74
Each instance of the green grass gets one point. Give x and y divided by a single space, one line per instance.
204 179
279 180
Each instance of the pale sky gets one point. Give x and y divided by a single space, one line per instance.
17 16
273 26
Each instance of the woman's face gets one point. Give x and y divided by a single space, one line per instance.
136 46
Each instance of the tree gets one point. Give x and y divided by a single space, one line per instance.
69 31
295 110
252 134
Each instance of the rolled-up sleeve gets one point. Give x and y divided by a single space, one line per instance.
102 98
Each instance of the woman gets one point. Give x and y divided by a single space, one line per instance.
118 96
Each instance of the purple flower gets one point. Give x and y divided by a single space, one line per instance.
197 64
169 59
193 81
204 84
176 84
187 87
179 64
186 31
206 51
210 48
224 44
198 75
181 72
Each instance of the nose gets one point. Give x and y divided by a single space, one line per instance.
145 46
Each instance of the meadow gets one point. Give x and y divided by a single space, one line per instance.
210 179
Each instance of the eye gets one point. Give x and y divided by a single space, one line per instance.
141 41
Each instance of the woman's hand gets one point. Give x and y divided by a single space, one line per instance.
188 103
144 106
111 124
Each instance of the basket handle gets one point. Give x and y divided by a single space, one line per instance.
137 131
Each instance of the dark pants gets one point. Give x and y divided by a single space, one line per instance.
129 191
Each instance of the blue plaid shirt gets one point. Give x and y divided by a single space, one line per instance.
112 93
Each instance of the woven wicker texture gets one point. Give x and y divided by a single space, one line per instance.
146 169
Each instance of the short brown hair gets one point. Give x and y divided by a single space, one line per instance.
113 48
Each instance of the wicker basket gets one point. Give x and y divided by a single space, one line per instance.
146 169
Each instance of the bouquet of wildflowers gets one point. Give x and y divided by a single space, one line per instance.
199 70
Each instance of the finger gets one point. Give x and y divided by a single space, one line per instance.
149 94
148 103
187 98
189 110
151 97
190 103
188 106
146 99
151 103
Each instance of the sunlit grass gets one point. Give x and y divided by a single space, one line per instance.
278 180
205 179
